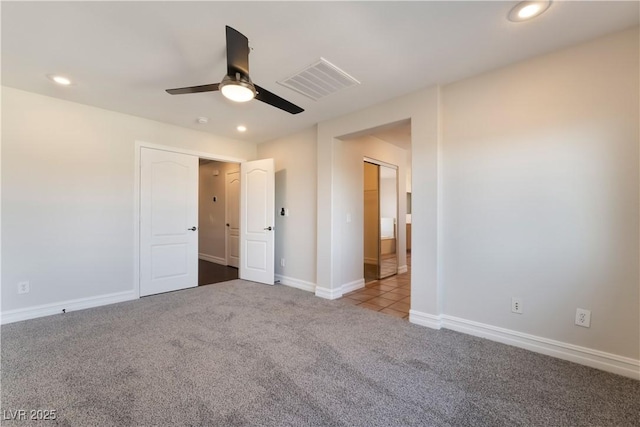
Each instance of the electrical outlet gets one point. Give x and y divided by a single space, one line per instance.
281 262
516 305
23 287
583 317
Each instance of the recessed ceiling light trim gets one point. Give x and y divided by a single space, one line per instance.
241 128
526 10
61 80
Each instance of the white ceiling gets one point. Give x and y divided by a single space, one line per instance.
123 55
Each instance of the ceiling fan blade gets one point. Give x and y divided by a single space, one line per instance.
274 100
237 53
194 89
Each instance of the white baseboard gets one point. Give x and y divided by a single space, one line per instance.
425 319
352 286
296 283
327 293
71 305
403 269
214 259
338 292
609 362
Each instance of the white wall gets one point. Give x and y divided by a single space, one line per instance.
212 215
352 201
68 194
295 165
540 195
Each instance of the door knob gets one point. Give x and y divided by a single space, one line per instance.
269 228
192 228
227 224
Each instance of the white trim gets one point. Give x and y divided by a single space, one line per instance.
338 292
609 362
352 286
380 163
327 293
296 283
403 269
425 319
71 305
139 145
211 258
585 356
136 218
439 205
199 154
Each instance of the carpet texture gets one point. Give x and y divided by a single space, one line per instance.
244 354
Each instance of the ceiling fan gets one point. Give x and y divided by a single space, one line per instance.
236 84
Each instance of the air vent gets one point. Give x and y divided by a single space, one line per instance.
319 79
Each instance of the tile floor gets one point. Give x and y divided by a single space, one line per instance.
390 296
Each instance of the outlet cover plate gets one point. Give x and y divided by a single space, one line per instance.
516 305
23 287
583 317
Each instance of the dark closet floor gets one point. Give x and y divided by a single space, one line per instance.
209 272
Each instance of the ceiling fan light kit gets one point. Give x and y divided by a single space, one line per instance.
236 84
237 89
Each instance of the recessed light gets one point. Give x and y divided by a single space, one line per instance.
528 9
241 128
202 120
61 80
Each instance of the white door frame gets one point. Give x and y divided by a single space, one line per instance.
136 195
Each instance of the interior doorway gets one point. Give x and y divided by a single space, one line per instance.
218 221
387 274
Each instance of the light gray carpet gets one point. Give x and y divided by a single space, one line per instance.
240 353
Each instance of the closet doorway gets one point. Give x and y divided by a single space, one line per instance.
380 220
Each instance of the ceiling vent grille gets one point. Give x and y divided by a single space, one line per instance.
319 79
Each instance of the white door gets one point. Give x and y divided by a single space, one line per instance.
257 211
232 190
168 221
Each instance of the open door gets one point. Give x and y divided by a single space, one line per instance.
257 211
232 215
168 221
